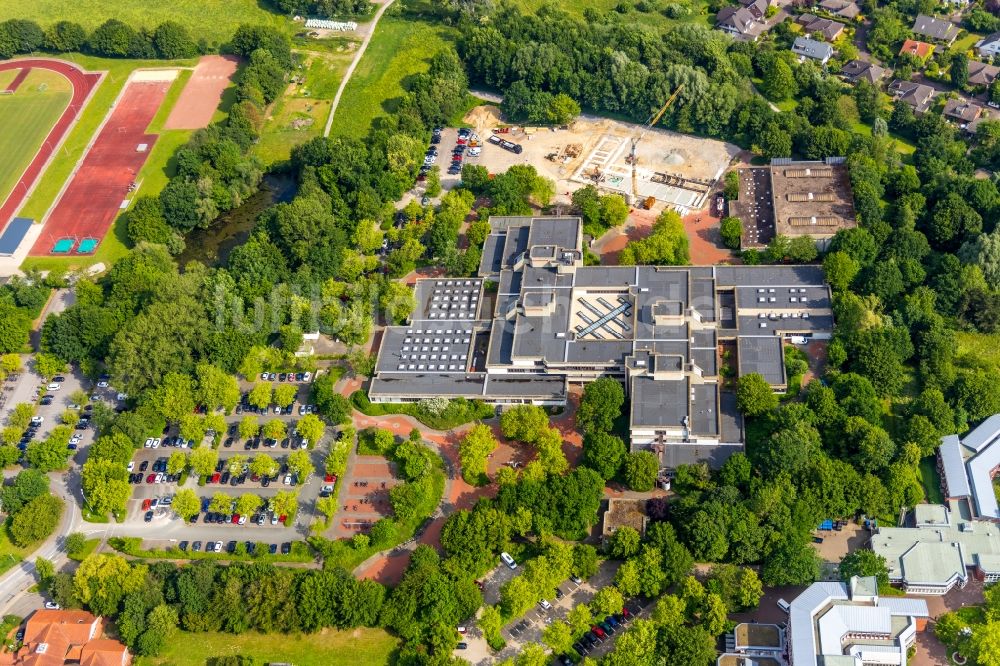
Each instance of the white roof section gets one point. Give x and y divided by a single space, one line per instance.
985 434
824 615
980 470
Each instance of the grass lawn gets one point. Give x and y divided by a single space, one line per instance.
983 346
89 547
301 113
113 246
965 43
931 480
214 20
697 11
400 48
359 647
27 117
10 553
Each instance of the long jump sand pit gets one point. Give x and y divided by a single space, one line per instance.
676 169
104 178
203 93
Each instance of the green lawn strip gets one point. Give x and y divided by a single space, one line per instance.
340 552
400 48
301 553
213 20
27 117
930 479
357 647
10 553
89 547
694 12
459 411
965 43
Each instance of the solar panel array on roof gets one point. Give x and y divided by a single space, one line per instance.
454 299
811 172
435 350
811 196
813 221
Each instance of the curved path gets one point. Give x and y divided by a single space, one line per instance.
354 64
83 84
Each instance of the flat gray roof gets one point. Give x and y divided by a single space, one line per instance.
659 403
764 356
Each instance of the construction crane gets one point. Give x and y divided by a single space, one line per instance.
637 137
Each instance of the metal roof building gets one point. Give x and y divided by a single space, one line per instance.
537 319
967 467
849 624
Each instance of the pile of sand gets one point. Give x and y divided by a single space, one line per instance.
483 118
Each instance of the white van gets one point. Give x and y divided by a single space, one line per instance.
508 560
784 605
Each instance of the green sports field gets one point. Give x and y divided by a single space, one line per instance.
215 20
26 118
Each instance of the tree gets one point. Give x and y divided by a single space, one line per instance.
985 643
559 637
285 503
203 460
284 394
260 395
959 70
864 562
235 464
524 423
641 470
75 543
176 462
186 503
65 36
474 450
221 503
330 403
216 388
103 580
45 570
550 454
840 270
604 453
274 429
49 455
112 39
105 486
600 405
36 520
263 465
27 485
625 542
779 81
14 327
300 464
311 428
754 396
172 42
731 230
666 245
248 503
249 427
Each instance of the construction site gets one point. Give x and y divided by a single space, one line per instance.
671 170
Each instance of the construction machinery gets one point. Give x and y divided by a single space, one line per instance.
633 159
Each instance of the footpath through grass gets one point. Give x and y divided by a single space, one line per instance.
214 20
401 47
358 647
27 117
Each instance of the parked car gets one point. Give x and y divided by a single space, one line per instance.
148 517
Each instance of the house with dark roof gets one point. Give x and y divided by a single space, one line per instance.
989 46
862 70
916 49
805 47
982 74
938 30
757 8
842 8
916 95
961 111
740 23
812 25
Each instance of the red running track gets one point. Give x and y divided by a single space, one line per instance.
18 80
83 83
93 198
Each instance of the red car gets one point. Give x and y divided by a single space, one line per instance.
625 613
151 478
597 630
236 518
146 503
215 478
330 478
282 518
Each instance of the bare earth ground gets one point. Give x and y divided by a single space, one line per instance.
203 93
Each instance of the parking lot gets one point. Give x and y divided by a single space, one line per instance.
445 150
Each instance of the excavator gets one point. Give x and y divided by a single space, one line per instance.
636 138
